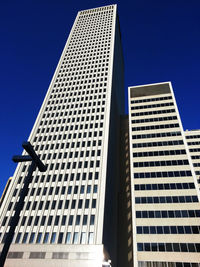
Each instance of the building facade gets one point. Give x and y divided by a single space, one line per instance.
193 141
165 193
69 214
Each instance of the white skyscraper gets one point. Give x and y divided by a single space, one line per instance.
69 214
165 193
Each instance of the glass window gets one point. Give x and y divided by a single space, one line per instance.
60 238
94 203
88 189
140 246
83 238
91 237
68 237
32 238
75 238
25 238
84 219
70 219
38 237
78 219
92 218
86 203
46 237
18 238
53 238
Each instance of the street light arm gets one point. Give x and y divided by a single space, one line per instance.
21 158
29 149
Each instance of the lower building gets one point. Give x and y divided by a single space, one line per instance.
164 190
193 141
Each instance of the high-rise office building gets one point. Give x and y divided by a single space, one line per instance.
5 191
193 141
165 194
69 214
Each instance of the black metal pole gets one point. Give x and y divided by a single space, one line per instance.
15 219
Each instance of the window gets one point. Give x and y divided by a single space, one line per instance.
68 237
31 240
85 219
75 238
38 237
53 238
91 237
92 220
78 219
25 238
70 219
83 238
46 237
60 238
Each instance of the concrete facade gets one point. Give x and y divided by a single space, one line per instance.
71 209
193 141
165 193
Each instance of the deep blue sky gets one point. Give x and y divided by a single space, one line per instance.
161 42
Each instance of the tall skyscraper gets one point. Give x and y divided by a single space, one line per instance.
165 194
69 214
193 141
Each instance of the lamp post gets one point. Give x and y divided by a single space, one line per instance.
35 162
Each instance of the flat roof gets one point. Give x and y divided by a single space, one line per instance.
152 89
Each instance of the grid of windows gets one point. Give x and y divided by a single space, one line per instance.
194 151
69 138
161 169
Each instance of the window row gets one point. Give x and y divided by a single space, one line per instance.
169 247
194 229
62 177
59 238
194 143
151 99
153 106
196 164
169 186
62 190
194 149
159 153
166 199
60 145
162 174
153 112
152 127
195 157
49 220
155 119
70 155
167 213
160 163
74 165
156 135
77 119
167 264
80 135
164 143
192 136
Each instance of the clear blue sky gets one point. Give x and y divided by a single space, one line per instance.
161 42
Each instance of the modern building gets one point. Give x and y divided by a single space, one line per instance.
70 213
125 237
165 193
5 191
193 141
